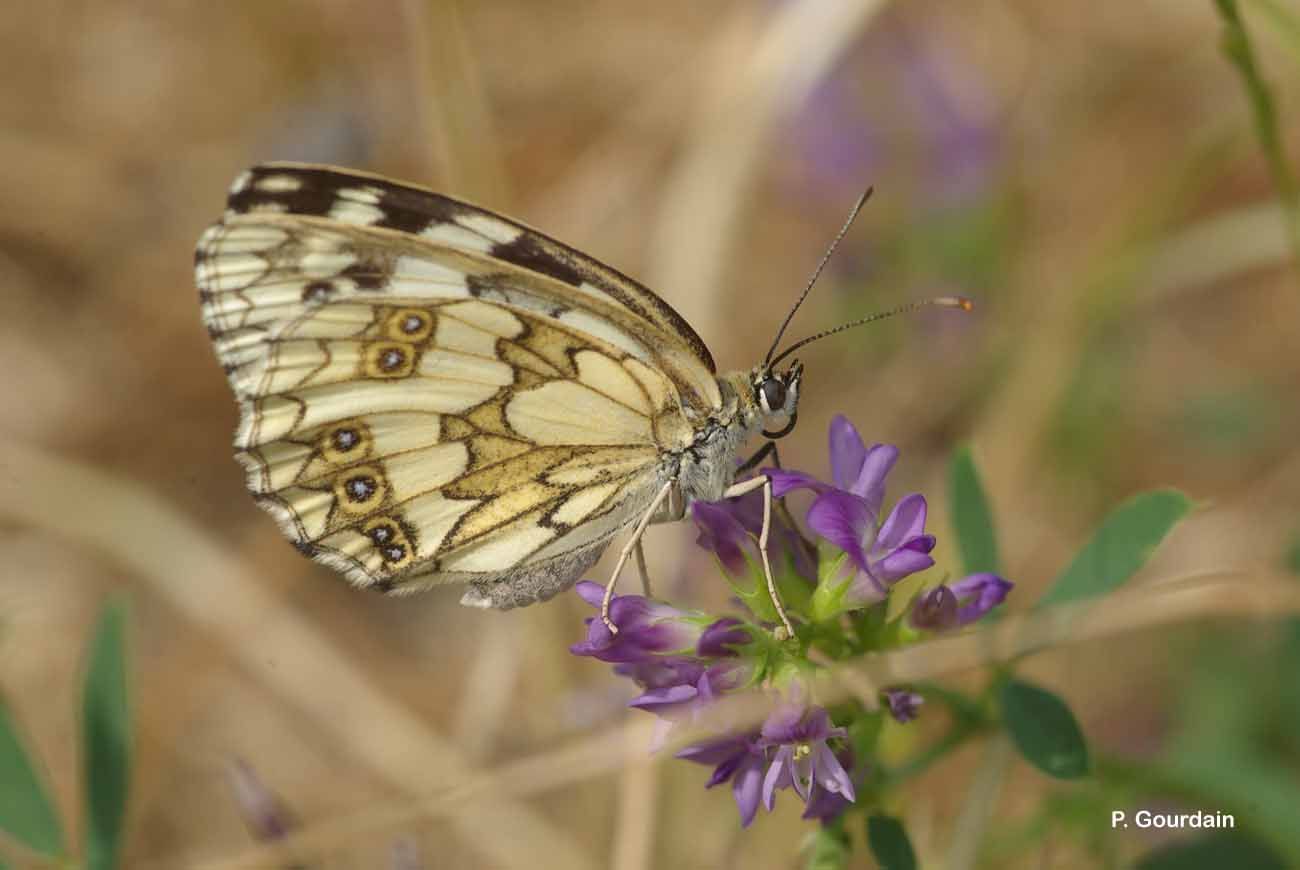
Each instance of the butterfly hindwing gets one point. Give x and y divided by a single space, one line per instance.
416 409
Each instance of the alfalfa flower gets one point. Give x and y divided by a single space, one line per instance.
847 514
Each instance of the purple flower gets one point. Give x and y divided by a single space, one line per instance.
978 594
963 146
934 609
645 628
737 758
802 759
824 804
679 690
264 813
960 603
680 700
854 467
903 705
656 672
721 533
721 638
726 528
846 514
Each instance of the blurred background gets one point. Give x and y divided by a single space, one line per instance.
1089 173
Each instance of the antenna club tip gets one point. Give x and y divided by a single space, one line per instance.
962 302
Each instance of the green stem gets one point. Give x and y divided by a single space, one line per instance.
1237 47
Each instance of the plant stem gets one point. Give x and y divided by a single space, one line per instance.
1237 47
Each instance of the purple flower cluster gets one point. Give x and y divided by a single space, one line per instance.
681 660
684 661
846 514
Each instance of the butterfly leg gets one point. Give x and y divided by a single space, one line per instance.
640 567
739 489
632 543
770 449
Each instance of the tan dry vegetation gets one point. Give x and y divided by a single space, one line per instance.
1137 281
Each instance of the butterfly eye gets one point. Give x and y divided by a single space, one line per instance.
773 394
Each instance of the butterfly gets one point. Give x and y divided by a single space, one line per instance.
431 393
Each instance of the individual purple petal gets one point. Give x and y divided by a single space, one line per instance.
870 482
801 778
905 521
656 700
715 751
657 672
726 768
747 788
720 533
903 705
845 520
592 593
829 773
736 758
721 638
934 610
264 813
780 774
847 452
864 589
981 593
907 559
785 481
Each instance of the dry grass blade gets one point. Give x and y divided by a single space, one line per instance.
634 827
200 578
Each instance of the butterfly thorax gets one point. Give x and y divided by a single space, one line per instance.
708 466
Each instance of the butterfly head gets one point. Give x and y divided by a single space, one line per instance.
777 395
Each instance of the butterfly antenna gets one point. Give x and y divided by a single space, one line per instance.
937 302
857 207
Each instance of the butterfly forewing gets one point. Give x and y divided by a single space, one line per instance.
431 393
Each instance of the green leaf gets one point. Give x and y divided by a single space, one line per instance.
1212 852
1044 730
971 518
107 739
1122 545
889 843
26 811
827 848
1255 787
828 598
